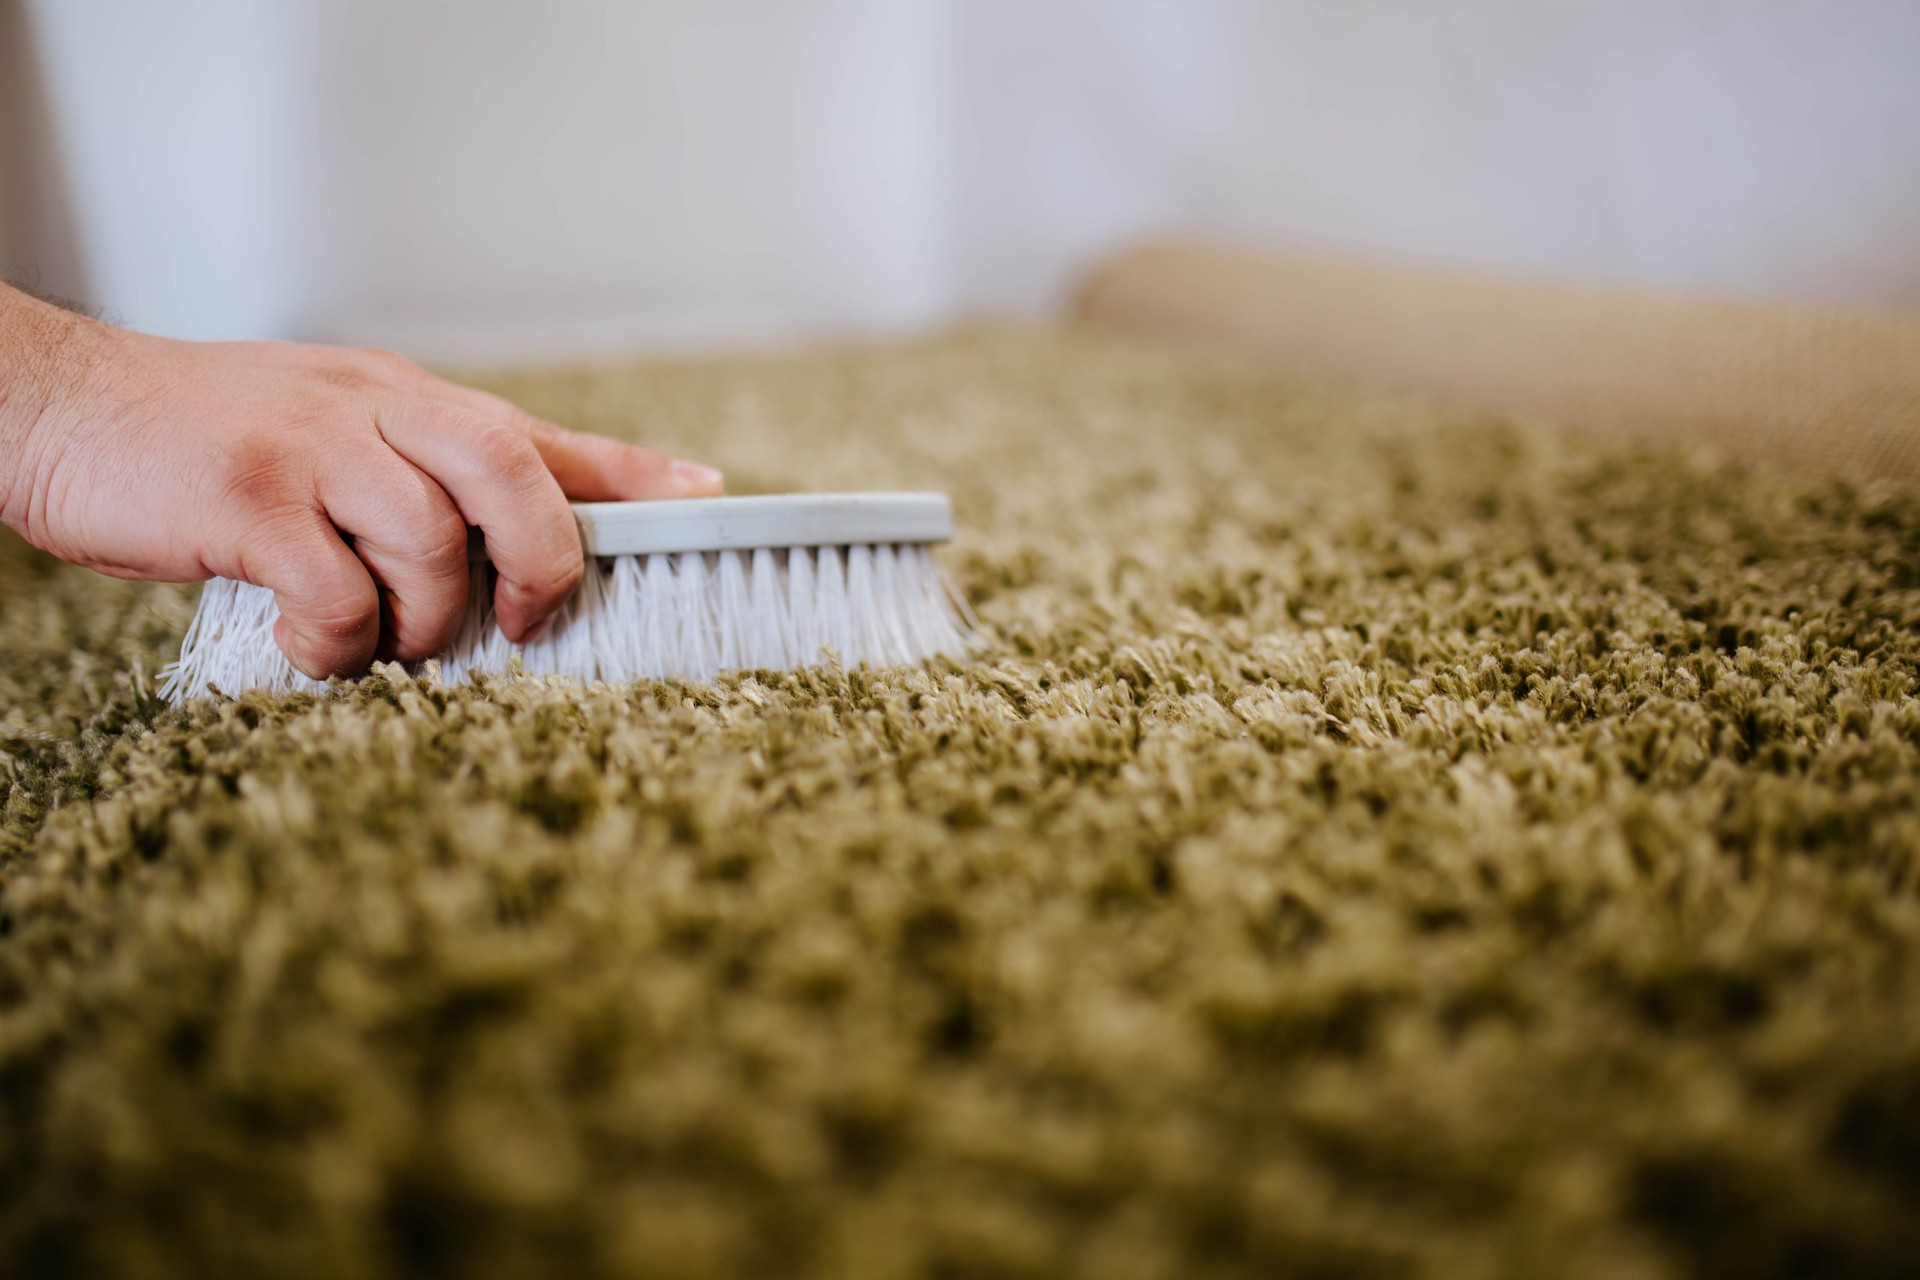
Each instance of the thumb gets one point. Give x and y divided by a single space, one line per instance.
329 607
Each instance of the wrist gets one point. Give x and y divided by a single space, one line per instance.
44 355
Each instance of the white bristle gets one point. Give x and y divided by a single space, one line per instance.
731 622
766 590
808 635
688 615
830 601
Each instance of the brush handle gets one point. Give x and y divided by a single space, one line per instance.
764 520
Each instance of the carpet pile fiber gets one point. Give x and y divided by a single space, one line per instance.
1374 841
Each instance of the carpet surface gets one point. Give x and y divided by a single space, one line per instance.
1374 841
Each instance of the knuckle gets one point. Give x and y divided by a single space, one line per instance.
363 370
346 377
508 454
387 365
445 531
536 429
439 538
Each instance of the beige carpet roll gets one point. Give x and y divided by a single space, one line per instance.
1819 389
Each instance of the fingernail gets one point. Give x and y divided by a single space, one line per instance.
696 476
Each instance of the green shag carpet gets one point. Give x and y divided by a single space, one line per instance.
1374 841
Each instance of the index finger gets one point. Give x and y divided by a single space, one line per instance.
589 467
498 481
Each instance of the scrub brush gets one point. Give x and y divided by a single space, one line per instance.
680 588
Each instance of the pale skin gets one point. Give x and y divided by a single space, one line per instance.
344 480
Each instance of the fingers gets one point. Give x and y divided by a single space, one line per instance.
413 541
590 468
499 482
593 468
504 471
329 609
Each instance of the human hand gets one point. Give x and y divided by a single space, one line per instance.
343 480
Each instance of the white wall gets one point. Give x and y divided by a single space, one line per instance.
175 128
694 169
1766 147
495 178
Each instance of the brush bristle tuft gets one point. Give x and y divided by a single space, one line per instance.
690 616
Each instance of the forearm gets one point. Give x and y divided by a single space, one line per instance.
41 357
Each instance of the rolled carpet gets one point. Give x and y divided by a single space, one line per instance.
1820 389
1377 840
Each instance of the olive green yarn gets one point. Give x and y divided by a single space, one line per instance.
1374 842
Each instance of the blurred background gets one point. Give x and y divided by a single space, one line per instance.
489 179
